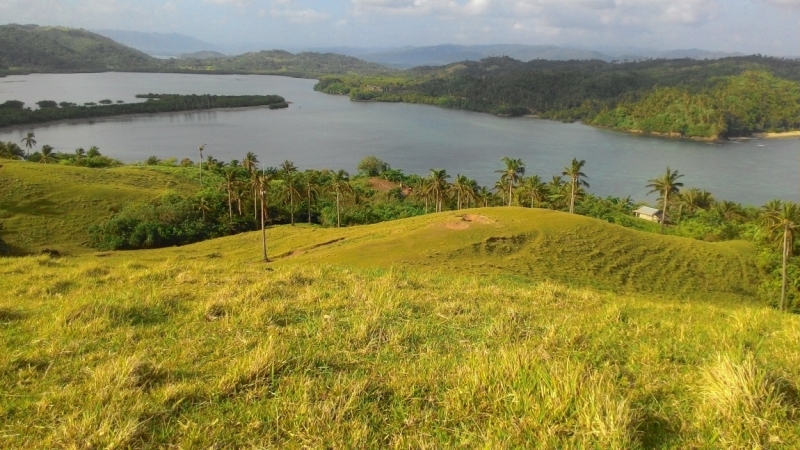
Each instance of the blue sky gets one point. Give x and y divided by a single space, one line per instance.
750 26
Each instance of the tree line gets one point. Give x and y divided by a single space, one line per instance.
719 98
239 196
14 112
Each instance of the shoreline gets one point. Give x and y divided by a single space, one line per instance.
132 116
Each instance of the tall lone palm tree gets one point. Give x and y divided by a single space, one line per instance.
30 142
438 187
514 170
250 164
262 183
665 185
339 184
785 220
574 172
229 183
201 148
288 171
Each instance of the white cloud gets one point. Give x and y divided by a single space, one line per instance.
555 12
285 9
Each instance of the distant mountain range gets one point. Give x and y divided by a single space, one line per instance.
158 44
439 55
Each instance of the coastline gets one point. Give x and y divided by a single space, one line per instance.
784 134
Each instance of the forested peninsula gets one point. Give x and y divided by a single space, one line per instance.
714 99
14 112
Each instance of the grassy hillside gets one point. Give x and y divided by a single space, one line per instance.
26 48
52 206
174 349
495 328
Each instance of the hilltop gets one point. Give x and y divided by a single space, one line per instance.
31 48
495 327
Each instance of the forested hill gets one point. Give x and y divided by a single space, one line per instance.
587 90
278 62
31 48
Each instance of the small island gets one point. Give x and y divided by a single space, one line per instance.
14 112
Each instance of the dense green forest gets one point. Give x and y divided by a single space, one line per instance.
735 96
31 48
14 112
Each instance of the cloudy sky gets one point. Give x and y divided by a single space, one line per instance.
751 26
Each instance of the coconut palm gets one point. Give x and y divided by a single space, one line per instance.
93 152
786 221
200 149
263 181
694 199
555 192
310 180
533 188
80 153
339 184
438 187
515 169
288 173
665 185
30 142
728 210
501 187
422 191
483 196
230 182
250 164
464 190
573 171
47 154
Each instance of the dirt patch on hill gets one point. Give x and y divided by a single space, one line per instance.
467 220
477 218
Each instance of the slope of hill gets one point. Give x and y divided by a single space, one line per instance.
159 44
47 206
418 333
25 48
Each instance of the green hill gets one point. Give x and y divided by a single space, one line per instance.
278 62
494 327
51 206
31 48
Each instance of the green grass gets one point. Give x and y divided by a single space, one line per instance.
492 328
219 352
52 206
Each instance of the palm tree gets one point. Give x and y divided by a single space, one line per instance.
515 168
201 148
311 186
250 164
93 152
534 189
665 185
80 153
30 142
574 172
262 182
694 199
438 187
785 220
288 171
229 184
483 196
555 192
47 154
464 188
339 183
728 210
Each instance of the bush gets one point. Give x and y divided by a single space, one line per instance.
153 161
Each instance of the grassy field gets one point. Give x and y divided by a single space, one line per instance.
52 206
491 328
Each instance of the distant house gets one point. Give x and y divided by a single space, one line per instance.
648 213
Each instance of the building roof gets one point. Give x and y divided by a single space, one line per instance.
648 211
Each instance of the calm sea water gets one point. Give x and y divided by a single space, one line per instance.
324 131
